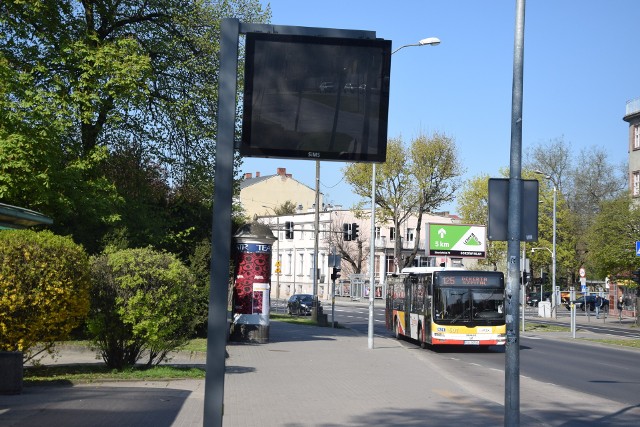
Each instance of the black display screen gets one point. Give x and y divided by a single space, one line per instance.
316 98
469 278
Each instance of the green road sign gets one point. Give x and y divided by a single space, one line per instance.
457 240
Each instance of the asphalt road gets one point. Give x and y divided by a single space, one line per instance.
587 367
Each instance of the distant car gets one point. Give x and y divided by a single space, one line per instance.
300 304
533 298
326 87
591 303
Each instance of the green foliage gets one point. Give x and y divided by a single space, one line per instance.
81 83
143 303
200 266
44 290
414 180
287 208
612 238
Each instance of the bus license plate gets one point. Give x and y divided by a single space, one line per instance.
475 342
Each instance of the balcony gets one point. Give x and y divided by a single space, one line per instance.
633 107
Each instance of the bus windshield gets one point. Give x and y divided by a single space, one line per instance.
464 305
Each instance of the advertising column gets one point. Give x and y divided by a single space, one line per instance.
251 289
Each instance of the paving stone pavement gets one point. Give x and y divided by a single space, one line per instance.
307 376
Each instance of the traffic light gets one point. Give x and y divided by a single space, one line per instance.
354 231
636 276
335 273
526 277
545 277
288 230
346 232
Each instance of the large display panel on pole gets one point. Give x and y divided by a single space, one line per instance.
317 98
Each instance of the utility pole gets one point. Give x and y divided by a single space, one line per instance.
512 300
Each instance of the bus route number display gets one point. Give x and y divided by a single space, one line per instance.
468 279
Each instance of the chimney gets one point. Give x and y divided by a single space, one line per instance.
257 174
282 171
247 175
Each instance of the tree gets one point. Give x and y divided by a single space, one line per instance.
82 80
612 236
473 208
413 181
473 203
286 208
143 303
44 290
583 182
352 253
436 169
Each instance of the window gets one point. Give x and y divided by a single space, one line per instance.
635 184
300 264
377 233
392 233
289 262
411 234
636 137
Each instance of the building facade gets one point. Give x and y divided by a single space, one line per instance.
260 194
632 116
293 258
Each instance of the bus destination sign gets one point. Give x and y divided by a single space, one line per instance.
469 278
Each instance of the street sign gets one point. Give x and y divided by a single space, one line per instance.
583 283
637 248
583 272
457 240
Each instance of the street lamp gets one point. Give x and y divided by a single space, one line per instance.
429 41
553 254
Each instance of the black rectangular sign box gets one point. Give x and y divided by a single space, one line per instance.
316 98
499 209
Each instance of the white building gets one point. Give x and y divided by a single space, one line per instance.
296 255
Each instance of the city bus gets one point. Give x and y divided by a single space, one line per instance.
447 306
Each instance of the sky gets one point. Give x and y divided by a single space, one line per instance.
581 66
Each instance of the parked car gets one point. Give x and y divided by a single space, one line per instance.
591 303
533 298
300 304
327 87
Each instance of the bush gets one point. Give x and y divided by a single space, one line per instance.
143 303
44 290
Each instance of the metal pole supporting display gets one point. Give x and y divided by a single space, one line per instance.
372 242
217 329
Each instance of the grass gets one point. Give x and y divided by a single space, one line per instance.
540 327
634 343
298 320
94 372
82 373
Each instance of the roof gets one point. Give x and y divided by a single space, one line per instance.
247 182
251 181
17 217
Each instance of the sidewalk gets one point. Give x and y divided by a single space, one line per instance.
313 376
